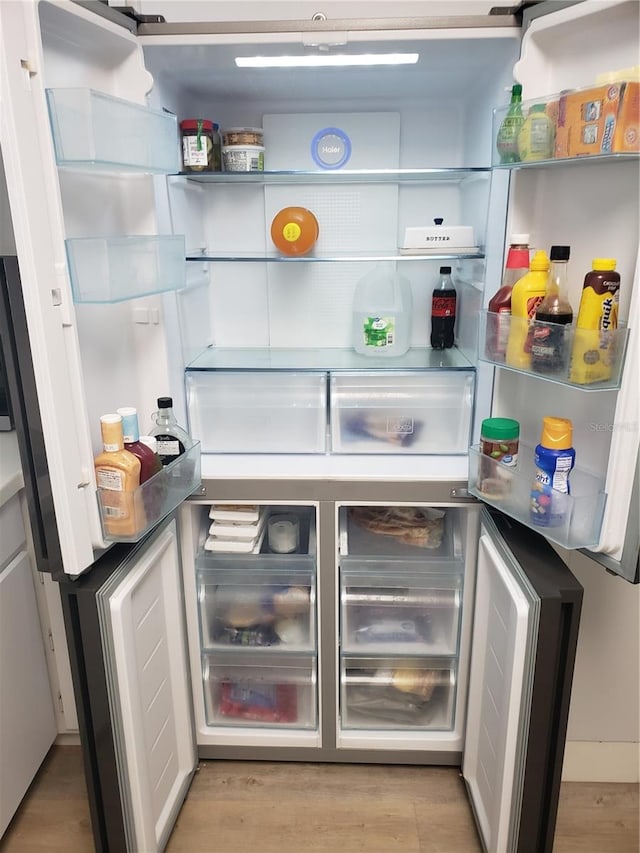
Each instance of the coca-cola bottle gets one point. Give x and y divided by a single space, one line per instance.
443 311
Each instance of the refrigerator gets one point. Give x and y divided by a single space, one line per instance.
133 280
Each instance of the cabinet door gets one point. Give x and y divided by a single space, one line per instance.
28 724
523 650
144 647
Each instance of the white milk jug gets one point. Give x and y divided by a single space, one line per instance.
382 306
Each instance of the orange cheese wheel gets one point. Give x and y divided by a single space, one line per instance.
294 231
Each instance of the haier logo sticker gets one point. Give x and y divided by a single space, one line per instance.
331 148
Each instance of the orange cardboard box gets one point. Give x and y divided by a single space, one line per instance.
602 120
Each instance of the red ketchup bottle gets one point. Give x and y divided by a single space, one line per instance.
499 307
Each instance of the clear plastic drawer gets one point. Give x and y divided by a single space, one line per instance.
397 693
389 612
396 412
265 607
258 412
94 130
113 269
245 691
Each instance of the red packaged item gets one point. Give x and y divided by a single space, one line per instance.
264 703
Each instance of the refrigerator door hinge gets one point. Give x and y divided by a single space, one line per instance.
130 12
51 643
57 294
460 493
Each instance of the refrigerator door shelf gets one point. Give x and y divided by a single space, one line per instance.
248 691
258 609
578 516
588 359
129 516
401 413
397 693
115 269
409 614
93 130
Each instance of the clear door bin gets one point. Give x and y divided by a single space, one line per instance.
245 691
397 693
589 359
258 412
386 612
398 412
94 130
261 606
128 516
113 269
577 518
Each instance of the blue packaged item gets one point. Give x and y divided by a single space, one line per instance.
554 460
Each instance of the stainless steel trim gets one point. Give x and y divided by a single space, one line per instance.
338 25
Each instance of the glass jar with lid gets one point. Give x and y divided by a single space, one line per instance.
201 146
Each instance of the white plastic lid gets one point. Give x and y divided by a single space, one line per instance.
110 419
150 441
127 411
520 239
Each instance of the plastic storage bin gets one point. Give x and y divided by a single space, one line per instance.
94 130
397 693
246 691
157 497
114 269
251 412
509 490
397 412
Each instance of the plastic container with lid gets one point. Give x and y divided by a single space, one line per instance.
200 145
242 136
537 136
243 158
499 439
294 230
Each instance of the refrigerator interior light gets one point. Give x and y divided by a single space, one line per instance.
327 60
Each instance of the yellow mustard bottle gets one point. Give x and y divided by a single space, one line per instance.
118 478
528 292
594 352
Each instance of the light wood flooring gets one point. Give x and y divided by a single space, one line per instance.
244 807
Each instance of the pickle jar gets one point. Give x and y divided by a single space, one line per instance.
198 148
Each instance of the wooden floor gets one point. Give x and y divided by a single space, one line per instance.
244 807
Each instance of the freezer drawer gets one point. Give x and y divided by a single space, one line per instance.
397 693
94 130
263 607
242 690
250 412
396 412
405 534
386 611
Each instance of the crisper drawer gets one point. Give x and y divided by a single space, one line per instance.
397 693
396 412
387 612
261 412
243 690
265 606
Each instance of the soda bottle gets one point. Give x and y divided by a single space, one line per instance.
500 303
550 342
507 141
443 311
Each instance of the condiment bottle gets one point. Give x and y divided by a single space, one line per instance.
499 308
594 350
443 311
118 478
550 340
507 140
526 295
554 460
172 439
131 435
537 136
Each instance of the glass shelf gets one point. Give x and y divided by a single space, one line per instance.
92 130
579 515
629 157
128 516
264 358
592 360
337 257
355 176
115 269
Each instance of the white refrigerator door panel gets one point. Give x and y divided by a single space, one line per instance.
501 661
45 45
151 696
